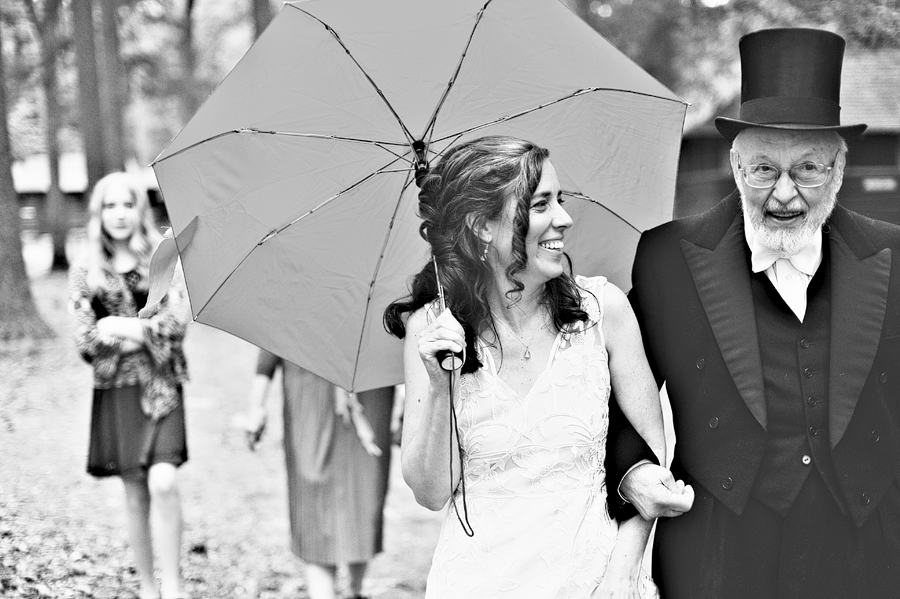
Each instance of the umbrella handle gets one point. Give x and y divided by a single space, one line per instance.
447 359
450 360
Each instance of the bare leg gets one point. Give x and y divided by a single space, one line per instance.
167 526
320 581
137 499
357 574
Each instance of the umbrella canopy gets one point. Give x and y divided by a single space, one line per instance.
297 174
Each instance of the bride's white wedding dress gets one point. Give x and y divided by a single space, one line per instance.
535 481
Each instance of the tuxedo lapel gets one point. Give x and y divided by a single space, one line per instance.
858 303
722 279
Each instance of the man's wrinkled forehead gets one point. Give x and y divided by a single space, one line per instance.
758 142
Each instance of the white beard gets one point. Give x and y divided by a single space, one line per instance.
789 242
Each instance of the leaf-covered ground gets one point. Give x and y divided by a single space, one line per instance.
62 532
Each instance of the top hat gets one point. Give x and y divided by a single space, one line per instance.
790 79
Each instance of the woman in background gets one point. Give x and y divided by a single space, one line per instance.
337 449
137 419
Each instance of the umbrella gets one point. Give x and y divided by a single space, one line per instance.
291 191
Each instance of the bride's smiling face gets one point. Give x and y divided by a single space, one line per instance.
547 223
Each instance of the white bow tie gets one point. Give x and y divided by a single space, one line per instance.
787 275
806 260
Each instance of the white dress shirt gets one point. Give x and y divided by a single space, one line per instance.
789 274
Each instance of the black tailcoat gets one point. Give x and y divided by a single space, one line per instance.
692 296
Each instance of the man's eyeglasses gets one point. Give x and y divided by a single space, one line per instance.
806 174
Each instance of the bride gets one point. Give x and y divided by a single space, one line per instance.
520 454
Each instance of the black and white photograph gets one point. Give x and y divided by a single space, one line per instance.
449 299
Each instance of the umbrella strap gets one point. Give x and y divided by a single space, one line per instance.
464 519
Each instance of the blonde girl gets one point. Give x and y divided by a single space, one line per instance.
137 420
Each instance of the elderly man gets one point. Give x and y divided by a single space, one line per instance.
774 321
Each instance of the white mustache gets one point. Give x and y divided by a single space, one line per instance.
777 208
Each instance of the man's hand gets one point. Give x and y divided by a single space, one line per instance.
655 492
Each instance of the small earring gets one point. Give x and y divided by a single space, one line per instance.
485 252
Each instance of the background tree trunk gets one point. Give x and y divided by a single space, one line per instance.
111 76
262 14
88 90
190 102
56 208
18 316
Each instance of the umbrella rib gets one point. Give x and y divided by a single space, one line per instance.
296 220
195 144
580 196
380 171
433 120
387 238
380 93
522 113
381 144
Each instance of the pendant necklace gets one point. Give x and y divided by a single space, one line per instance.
527 354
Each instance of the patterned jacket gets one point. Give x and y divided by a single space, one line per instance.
159 366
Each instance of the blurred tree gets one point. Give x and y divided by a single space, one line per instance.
18 316
190 98
112 91
691 46
641 29
262 14
88 90
171 55
150 33
55 206
22 62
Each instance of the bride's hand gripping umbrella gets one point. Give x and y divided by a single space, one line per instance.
449 332
441 346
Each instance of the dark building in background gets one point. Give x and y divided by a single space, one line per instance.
870 93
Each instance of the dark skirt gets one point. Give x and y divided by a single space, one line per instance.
336 491
125 442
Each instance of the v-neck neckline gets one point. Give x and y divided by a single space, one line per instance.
496 374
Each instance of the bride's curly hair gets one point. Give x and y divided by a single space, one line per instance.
467 187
